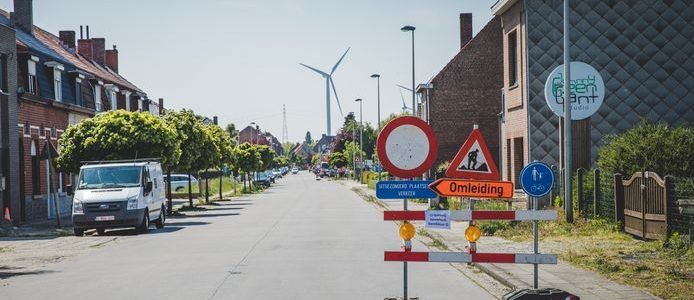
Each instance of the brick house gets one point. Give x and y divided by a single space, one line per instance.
55 85
466 91
641 49
253 135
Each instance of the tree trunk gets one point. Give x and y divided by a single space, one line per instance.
207 186
221 177
190 191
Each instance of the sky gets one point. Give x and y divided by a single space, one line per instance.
239 59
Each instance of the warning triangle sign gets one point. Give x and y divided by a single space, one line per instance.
473 161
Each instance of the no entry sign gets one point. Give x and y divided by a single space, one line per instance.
407 147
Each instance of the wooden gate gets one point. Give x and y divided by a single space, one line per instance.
641 205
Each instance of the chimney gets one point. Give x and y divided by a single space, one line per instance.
214 120
161 106
84 46
67 37
24 15
111 57
465 29
98 49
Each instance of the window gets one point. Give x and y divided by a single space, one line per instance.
35 171
512 58
42 130
97 98
27 128
33 82
113 99
78 91
54 132
57 84
518 160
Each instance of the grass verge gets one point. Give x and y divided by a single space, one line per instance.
435 242
665 269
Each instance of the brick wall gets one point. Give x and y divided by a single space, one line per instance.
8 123
514 130
467 92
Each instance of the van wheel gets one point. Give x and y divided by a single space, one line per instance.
179 189
101 231
79 232
144 226
159 223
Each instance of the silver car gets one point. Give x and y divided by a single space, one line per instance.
179 182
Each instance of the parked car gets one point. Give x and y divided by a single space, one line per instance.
295 170
118 194
179 182
263 178
277 173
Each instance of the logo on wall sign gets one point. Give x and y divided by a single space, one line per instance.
586 86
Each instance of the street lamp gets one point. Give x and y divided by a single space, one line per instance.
378 94
354 157
361 133
406 29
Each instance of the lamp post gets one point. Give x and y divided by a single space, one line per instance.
361 133
354 156
406 29
378 95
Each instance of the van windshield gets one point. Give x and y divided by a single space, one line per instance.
110 177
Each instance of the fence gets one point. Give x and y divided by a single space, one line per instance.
593 193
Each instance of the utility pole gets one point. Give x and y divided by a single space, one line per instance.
285 132
568 203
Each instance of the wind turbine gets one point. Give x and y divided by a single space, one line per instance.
404 106
329 83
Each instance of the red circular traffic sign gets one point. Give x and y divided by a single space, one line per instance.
407 147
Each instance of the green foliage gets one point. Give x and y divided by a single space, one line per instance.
337 160
315 159
223 143
308 140
652 147
280 161
192 135
119 135
248 158
352 151
441 169
491 227
267 156
233 133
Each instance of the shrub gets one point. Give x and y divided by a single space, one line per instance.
652 147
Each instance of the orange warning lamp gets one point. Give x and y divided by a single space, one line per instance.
407 231
472 233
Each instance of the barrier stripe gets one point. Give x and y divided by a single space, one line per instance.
463 257
467 215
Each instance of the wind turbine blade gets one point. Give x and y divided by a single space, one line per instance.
404 87
316 70
338 62
336 97
403 99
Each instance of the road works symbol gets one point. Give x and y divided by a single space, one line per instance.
446 187
473 161
407 147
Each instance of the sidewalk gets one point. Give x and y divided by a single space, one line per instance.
586 284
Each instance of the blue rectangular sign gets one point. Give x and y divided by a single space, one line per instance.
404 189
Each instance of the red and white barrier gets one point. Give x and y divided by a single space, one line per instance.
462 257
468 215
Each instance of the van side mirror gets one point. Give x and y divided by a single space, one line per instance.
148 187
68 190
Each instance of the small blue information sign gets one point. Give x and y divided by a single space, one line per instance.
404 189
537 179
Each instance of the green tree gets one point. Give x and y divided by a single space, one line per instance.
352 147
233 133
650 147
308 140
315 159
337 160
194 143
267 156
119 134
248 160
280 161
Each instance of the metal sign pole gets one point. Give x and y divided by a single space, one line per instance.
535 242
568 203
404 263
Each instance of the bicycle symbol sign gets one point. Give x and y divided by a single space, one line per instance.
537 179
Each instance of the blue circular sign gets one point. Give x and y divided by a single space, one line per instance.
537 179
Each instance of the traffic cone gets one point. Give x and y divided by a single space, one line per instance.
7 214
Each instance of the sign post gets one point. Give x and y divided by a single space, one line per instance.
407 147
536 180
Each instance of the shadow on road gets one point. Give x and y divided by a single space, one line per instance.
7 274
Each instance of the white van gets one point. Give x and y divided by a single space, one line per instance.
117 194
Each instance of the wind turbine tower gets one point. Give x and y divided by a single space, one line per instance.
328 84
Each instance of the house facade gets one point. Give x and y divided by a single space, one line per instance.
640 48
54 82
466 91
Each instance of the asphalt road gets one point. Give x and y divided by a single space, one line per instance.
300 239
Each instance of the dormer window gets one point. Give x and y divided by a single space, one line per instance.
33 82
78 89
97 96
57 79
111 92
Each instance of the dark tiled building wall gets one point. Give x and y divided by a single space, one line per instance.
8 124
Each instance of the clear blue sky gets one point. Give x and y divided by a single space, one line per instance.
239 59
